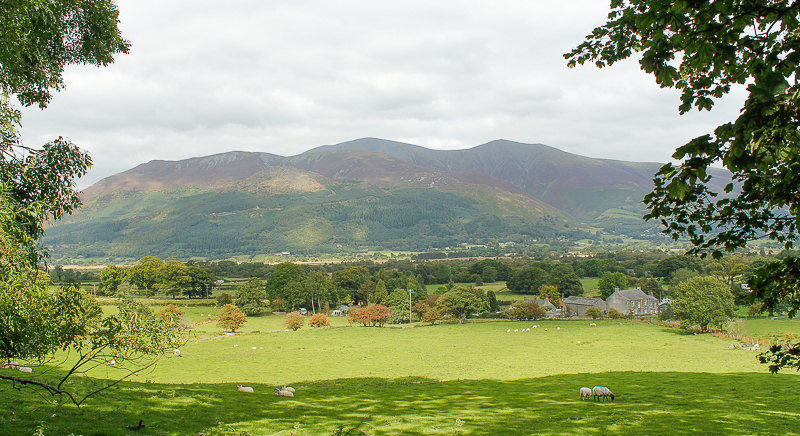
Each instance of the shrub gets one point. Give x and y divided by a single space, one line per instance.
755 310
294 320
666 313
431 315
224 298
615 314
319 320
230 317
594 312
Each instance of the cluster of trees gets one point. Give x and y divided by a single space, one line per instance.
151 275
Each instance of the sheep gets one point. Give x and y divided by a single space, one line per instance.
245 388
558 328
602 392
27 369
586 393
508 331
113 362
13 364
287 388
516 330
281 393
593 325
177 352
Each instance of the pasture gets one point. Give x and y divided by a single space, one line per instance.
446 379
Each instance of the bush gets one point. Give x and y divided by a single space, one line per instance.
294 320
594 312
224 298
319 320
230 317
666 313
615 314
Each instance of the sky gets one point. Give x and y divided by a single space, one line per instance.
206 77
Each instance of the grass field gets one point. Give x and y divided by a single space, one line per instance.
445 379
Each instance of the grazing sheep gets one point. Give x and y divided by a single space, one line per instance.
281 393
516 330
245 388
586 393
602 392
287 388
593 325
558 328
177 352
113 362
508 331
25 369
13 364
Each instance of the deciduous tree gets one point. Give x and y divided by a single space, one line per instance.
230 317
703 301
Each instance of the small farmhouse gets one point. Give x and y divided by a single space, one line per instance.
632 301
578 306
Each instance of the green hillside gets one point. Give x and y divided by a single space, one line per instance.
193 222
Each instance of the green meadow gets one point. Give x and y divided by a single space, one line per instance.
475 378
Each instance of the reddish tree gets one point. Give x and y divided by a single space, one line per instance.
319 320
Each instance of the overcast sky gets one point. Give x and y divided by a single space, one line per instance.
205 77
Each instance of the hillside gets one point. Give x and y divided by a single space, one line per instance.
363 194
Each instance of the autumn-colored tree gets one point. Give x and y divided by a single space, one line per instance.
432 315
319 320
294 320
525 310
375 315
230 317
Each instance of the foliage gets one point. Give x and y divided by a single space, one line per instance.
375 315
230 317
173 278
491 300
319 320
462 303
594 312
526 280
564 278
704 302
294 320
609 281
201 281
666 313
431 315
525 310
285 273
111 278
145 274
651 286
250 297
550 293
615 314
224 298
754 310
705 48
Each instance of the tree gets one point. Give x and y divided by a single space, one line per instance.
526 280
284 274
230 317
651 286
379 295
201 281
145 274
224 298
491 300
250 297
704 49
703 301
462 303
609 281
294 320
173 277
525 310
318 287
38 40
564 278
111 278
550 293
375 315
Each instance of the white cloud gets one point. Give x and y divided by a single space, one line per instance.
205 77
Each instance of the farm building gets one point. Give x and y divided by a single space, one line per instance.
544 302
579 305
632 301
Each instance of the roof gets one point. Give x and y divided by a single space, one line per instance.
634 294
588 301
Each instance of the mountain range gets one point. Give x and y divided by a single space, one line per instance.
363 194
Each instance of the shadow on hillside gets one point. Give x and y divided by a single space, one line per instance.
646 403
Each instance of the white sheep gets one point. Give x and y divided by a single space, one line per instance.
516 330
13 364
508 331
281 393
586 393
593 325
177 352
558 328
25 369
245 388
602 392
287 388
